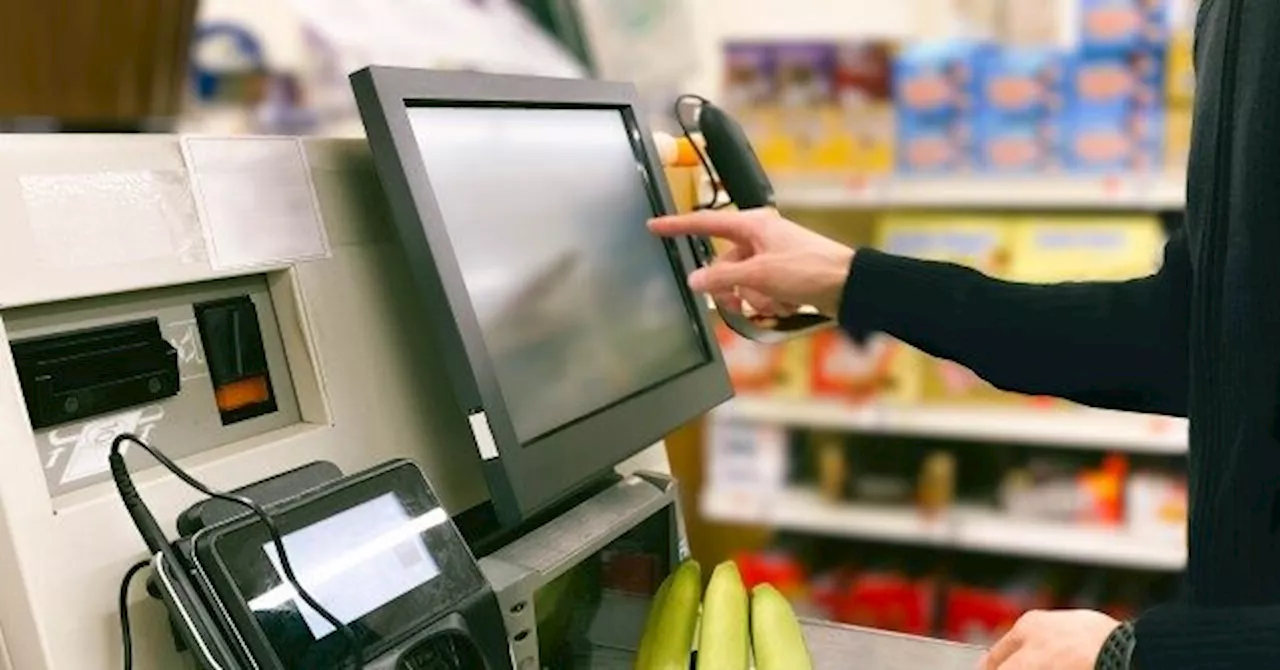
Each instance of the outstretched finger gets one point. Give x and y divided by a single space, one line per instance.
737 227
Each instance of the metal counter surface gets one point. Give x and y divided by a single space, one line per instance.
839 647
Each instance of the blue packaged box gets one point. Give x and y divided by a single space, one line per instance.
936 80
1105 141
1116 81
931 145
1111 25
1017 146
1101 83
1157 22
1018 83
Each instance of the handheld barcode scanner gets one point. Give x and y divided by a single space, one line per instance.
730 157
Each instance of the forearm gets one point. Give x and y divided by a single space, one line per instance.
1119 345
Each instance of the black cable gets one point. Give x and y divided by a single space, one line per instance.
125 636
353 642
677 108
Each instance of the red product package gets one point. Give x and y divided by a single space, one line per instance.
979 616
752 366
844 369
888 601
784 572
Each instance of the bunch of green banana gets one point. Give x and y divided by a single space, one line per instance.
734 626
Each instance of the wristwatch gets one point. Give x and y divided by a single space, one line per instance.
1117 650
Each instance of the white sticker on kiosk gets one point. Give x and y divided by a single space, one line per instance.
484 436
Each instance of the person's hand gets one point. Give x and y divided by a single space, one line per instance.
1064 640
774 265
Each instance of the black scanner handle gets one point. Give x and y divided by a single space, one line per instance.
735 161
744 179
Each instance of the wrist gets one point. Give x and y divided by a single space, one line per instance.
834 284
1117 649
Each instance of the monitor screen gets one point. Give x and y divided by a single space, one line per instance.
578 304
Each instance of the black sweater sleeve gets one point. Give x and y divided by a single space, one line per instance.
1230 638
1117 345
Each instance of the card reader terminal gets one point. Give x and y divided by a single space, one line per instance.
379 552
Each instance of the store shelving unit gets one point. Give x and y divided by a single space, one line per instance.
1063 428
967 528
1154 192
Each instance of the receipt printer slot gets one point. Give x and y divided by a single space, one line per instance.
77 375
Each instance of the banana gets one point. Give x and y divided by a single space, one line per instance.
651 624
723 642
668 635
776 637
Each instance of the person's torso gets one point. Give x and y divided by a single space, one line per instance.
1233 225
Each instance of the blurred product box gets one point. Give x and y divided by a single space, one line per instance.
751 94
982 616
1181 75
1017 83
1177 146
1115 117
1021 103
1066 248
1116 82
974 240
1062 492
937 79
879 369
1156 504
749 85
863 119
1104 141
887 601
806 101
1120 25
935 145
774 369
935 94
1017 146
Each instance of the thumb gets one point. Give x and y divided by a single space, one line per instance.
724 276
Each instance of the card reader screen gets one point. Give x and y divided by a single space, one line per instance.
378 552
354 562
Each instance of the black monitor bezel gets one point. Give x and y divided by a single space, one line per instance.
523 479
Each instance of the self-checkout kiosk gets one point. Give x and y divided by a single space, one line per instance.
423 354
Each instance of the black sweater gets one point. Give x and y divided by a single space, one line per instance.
1199 339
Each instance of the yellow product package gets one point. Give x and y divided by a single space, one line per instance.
833 149
980 242
1180 75
1177 137
1064 248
